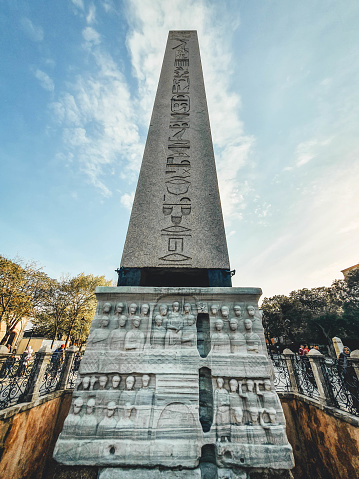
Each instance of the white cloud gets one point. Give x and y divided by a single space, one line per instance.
98 117
34 32
79 4
150 22
45 81
308 150
91 16
91 35
127 200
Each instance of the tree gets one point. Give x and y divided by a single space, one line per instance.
280 313
82 302
351 303
316 314
51 318
67 302
22 288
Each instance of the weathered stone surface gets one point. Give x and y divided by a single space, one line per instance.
140 403
324 446
27 436
176 218
118 473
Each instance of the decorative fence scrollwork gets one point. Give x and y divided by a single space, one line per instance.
341 384
304 376
281 373
52 376
15 376
22 381
71 380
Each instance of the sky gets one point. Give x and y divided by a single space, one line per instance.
77 85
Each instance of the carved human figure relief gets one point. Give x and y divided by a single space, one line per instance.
237 311
125 425
252 404
119 309
101 391
144 401
132 310
237 340
221 412
93 381
97 338
135 339
189 333
163 311
235 402
187 311
269 401
113 394
213 310
174 326
108 424
219 340
102 381
158 333
106 310
88 424
145 308
117 336
85 383
252 339
128 395
73 419
225 312
253 313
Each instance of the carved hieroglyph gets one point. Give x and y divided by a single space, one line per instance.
137 400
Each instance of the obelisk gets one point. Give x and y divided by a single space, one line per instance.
175 381
176 234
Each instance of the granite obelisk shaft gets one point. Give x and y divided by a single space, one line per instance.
176 219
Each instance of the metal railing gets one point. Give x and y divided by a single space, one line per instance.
15 374
25 381
321 379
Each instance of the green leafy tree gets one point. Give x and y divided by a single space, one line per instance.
82 303
316 314
69 308
351 304
22 289
52 316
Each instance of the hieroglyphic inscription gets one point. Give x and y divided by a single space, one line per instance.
177 205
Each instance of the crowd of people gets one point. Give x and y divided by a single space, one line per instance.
304 349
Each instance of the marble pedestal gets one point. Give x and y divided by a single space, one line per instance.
173 379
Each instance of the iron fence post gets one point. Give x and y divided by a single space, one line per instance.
289 356
354 360
69 359
317 365
38 373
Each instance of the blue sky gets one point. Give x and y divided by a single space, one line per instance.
77 86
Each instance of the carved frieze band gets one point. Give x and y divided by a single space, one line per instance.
132 327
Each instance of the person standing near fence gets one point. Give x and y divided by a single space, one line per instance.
343 364
27 356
